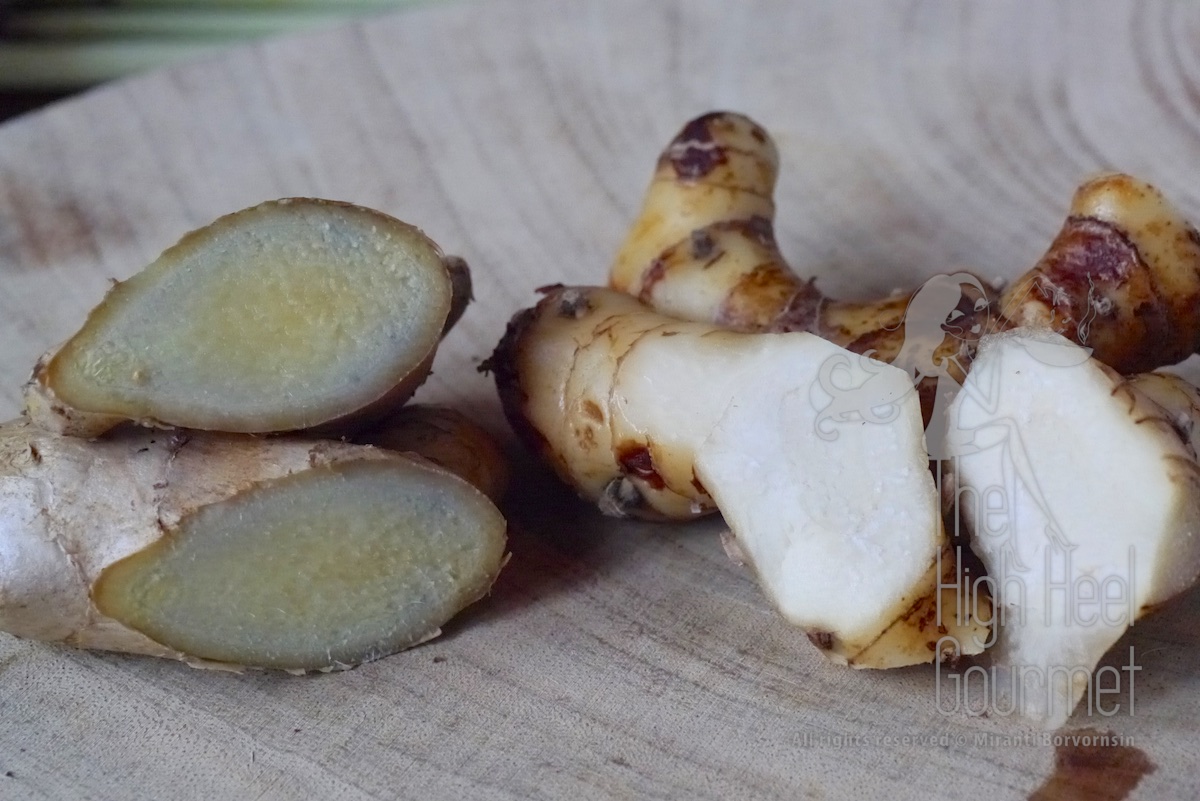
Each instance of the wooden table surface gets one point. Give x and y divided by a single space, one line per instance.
612 660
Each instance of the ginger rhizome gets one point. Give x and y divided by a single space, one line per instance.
223 550
658 418
228 550
1101 515
714 382
290 315
1122 277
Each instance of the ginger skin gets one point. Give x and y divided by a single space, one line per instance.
556 371
1122 277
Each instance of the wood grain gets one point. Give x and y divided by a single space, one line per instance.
625 661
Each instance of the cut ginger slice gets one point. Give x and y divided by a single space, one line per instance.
326 568
236 551
293 314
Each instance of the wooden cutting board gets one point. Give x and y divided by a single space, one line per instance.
613 659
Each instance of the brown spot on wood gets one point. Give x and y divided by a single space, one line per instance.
821 639
1085 767
635 460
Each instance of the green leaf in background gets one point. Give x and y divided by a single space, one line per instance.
59 44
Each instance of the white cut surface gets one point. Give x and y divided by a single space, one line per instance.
279 317
674 389
838 517
1077 509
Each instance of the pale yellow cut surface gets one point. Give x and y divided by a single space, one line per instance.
327 568
285 316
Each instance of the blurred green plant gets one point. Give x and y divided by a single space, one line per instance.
70 44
